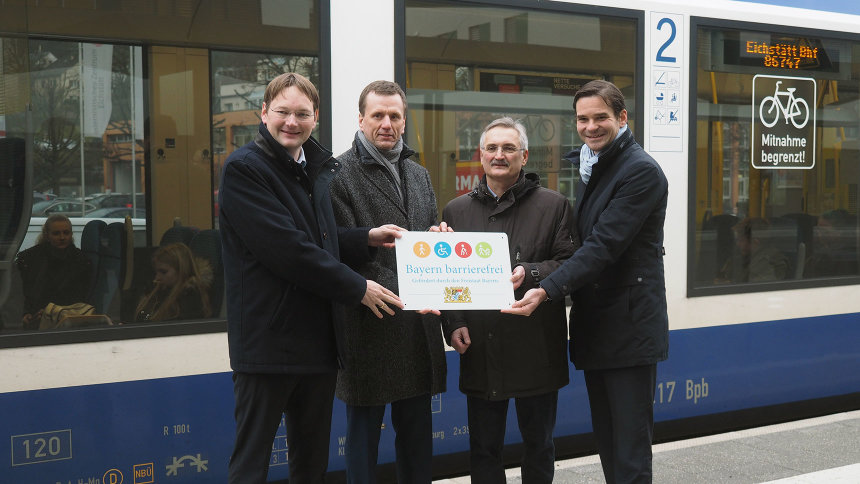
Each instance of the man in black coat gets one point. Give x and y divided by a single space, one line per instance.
286 286
503 357
618 323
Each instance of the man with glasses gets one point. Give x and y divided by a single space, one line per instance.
619 326
503 356
286 286
399 361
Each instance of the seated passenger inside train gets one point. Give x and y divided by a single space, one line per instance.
835 246
180 288
754 259
52 271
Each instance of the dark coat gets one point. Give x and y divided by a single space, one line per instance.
616 278
189 303
51 275
513 356
281 250
397 357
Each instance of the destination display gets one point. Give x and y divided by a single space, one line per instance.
787 55
745 51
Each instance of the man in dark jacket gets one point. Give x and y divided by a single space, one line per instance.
618 324
285 284
401 360
503 356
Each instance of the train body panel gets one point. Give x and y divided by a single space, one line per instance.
181 428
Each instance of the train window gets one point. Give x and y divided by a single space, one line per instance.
246 24
499 61
80 107
776 165
125 140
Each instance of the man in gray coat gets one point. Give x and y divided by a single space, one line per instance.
400 360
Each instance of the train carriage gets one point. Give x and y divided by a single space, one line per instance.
752 108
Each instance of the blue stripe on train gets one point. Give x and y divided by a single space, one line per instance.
181 429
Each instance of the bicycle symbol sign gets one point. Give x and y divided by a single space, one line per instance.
783 122
794 109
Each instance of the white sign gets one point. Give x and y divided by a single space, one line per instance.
454 270
96 62
664 90
783 127
137 97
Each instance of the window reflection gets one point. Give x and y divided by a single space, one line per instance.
85 129
757 225
87 136
505 62
126 141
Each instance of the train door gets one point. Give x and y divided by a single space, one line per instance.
180 158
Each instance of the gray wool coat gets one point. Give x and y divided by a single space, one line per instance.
397 357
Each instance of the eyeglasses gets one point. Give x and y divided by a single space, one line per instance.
506 149
301 116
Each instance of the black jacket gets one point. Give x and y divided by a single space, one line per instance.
51 275
512 356
616 278
189 305
281 250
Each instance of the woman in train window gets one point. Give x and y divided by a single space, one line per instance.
181 286
52 271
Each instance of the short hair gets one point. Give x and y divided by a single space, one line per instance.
57 217
290 79
382 88
609 92
507 122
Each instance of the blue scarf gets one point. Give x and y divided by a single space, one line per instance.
588 158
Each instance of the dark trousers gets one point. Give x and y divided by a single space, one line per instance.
622 415
413 441
261 399
536 420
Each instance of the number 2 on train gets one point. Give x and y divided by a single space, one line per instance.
672 32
